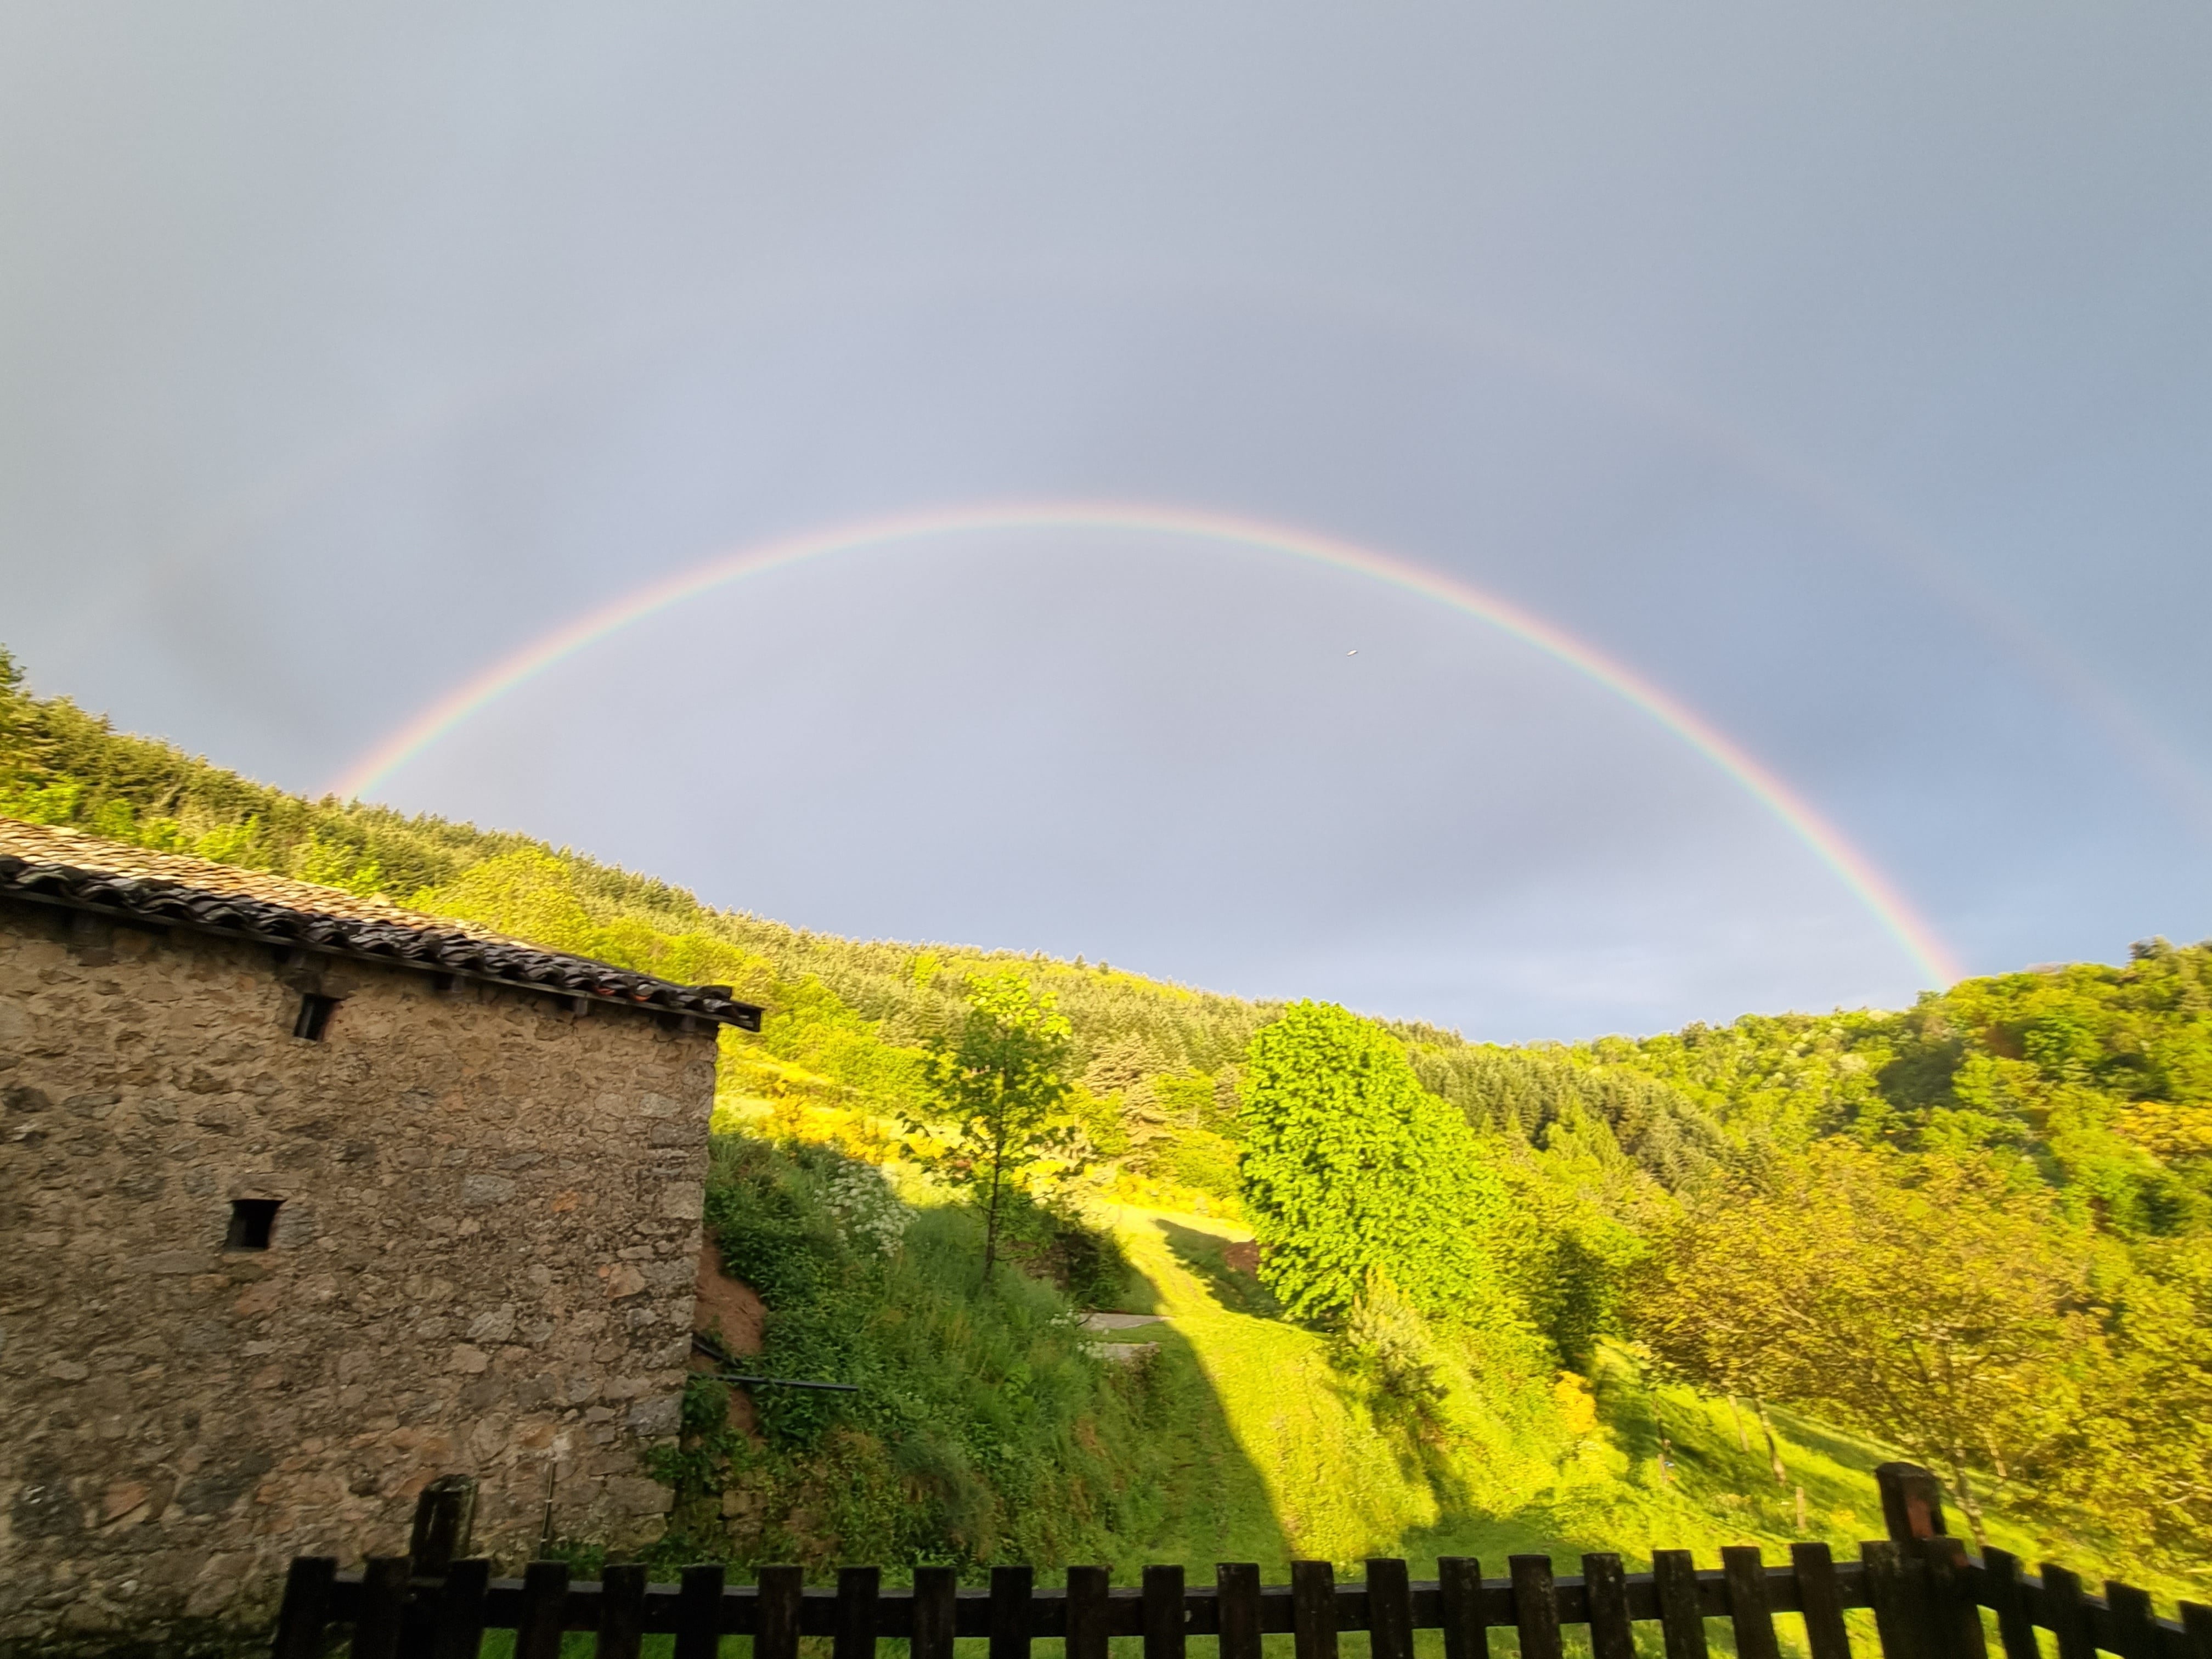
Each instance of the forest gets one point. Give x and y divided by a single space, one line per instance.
1668 1288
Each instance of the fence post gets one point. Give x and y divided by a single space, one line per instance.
1912 1501
305 1616
1167 1616
445 1515
1313 1610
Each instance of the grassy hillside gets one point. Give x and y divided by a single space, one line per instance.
2074 1106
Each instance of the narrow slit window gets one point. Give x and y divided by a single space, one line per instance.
252 1221
314 1018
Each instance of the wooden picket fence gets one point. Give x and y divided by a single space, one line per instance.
1927 1597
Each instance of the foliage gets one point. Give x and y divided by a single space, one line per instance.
1000 1085
1352 1173
985 1429
1926 1299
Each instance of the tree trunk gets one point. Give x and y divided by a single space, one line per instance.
1773 1451
1967 1501
1736 1417
991 1213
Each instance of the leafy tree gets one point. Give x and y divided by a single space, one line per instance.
1000 1080
1928 1299
1352 1172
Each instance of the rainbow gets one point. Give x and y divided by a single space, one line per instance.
1930 957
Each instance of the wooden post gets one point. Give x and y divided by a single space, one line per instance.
1536 1606
1890 1591
1237 1593
544 1597
934 1592
1012 1589
1681 1611
1460 1582
699 1612
304 1615
383 1619
1087 1588
1313 1610
1165 1623
1753 1621
1605 1598
1390 1610
445 1515
1821 1599
622 1612
1912 1501
775 1636
860 1593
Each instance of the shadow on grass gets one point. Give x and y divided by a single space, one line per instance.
1200 1254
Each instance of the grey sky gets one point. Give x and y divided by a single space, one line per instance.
1847 374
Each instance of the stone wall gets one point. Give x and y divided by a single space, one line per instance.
483 1263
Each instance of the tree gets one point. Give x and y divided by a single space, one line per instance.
1352 1173
1001 1082
1928 1299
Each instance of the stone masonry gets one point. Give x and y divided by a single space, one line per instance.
482 1261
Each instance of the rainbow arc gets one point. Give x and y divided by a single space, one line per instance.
1931 958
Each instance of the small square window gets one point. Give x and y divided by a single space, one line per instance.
314 1018
252 1221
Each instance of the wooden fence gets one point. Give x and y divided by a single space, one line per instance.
1926 1594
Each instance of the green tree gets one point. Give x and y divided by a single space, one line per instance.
1000 1081
1928 1299
1351 1172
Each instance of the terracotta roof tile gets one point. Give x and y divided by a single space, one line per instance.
44 863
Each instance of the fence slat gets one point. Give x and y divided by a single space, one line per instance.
1086 1612
1165 1622
1390 1610
1237 1595
1821 1599
1605 1604
935 1609
2065 1615
1955 1621
376 1632
1681 1614
622 1612
545 1595
699 1612
453 1620
306 1613
858 1590
781 1588
2196 1630
1892 1593
1745 1573
1459 1580
2134 1627
1013 1589
1313 1610
1536 1606
2005 1596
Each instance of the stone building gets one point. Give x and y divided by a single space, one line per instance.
305 1199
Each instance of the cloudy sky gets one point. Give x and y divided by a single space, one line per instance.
1843 374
